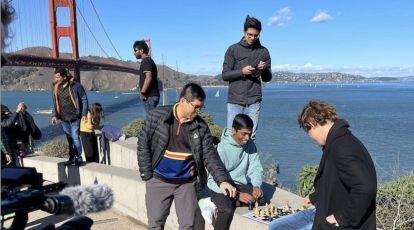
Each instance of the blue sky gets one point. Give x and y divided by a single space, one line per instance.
372 38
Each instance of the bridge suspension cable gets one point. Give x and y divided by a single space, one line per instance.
93 35
103 28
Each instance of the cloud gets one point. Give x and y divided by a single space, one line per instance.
321 16
281 18
366 71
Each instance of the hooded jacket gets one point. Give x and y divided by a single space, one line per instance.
245 90
241 162
78 97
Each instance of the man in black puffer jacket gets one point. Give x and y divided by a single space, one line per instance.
175 147
246 64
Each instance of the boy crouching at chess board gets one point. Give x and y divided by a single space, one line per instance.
241 160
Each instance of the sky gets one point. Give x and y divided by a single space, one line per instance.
371 38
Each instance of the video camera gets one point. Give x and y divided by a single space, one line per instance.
22 191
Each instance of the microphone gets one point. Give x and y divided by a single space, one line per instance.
80 200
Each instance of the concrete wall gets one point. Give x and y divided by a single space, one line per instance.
129 189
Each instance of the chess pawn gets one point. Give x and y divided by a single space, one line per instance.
256 211
287 207
261 213
272 210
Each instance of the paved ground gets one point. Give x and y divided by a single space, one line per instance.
108 220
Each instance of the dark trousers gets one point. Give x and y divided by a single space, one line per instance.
226 206
159 196
90 146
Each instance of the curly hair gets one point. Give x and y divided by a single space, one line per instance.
316 112
7 15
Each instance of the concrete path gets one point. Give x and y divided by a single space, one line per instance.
108 220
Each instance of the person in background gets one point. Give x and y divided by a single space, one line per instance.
175 147
87 132
241 160
70 105
346 181
8 143
148 77
246 64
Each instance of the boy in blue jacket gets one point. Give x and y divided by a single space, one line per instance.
241 160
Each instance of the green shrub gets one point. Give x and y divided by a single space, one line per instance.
395 203
132 129
215 130
305 181
56 148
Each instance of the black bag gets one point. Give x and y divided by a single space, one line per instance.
28 126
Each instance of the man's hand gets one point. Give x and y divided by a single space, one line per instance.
247 70
20 107
257 192
306 202
142 96
84 118
261 65
231 191
331 219
192 170
8 158
246 198
54 120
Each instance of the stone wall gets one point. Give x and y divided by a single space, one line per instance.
129 190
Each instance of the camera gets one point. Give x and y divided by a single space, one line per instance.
22 191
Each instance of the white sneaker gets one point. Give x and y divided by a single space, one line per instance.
208 209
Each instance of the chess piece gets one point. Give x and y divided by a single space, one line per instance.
256 211
273 210
286 208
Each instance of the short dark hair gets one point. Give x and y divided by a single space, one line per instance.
252 22
141 45
242 121
62 71
193 91
316 112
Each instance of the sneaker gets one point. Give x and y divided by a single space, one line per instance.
208 209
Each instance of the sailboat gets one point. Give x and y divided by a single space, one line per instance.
218 93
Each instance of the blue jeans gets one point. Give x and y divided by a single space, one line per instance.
302 220
150 103
72 133
251 110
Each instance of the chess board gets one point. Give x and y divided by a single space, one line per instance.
265 220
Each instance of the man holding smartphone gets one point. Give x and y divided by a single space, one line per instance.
246 65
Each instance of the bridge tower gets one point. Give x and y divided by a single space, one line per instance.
65 31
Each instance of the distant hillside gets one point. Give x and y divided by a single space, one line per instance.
331 77
39 78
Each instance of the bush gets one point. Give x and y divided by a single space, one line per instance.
56 148
395 203
132 129
270 169
305 181
215 130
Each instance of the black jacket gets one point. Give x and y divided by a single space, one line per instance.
245 90
153 141
346 182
